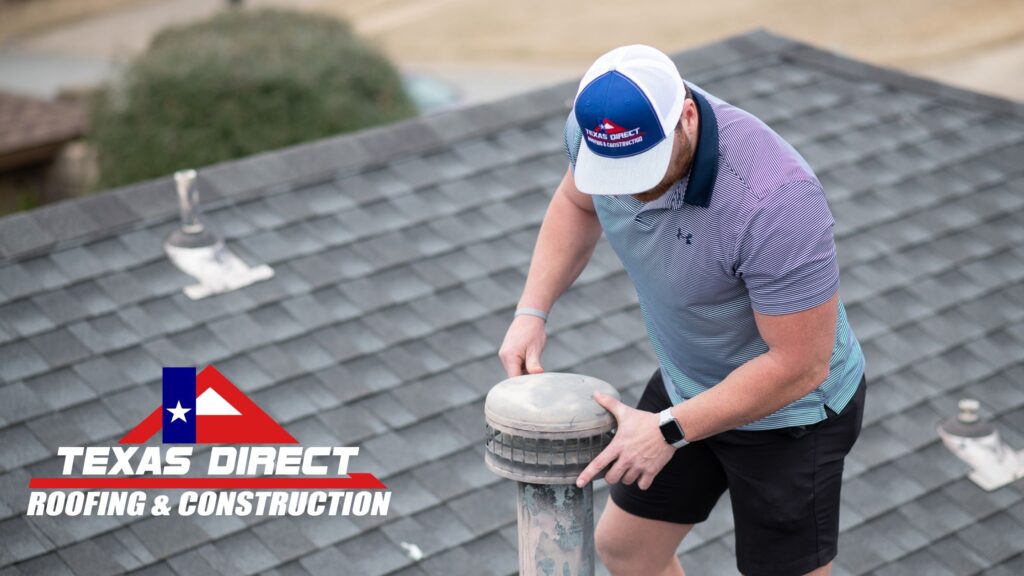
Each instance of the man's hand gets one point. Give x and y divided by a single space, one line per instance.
524 342
638 449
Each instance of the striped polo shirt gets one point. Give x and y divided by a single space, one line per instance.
747 229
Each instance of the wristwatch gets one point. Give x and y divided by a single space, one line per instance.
671 429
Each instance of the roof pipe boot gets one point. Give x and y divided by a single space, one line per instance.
993 463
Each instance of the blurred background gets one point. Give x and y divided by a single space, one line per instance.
101 93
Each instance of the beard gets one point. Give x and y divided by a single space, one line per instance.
677 167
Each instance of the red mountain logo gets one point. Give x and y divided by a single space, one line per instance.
608 127
206 409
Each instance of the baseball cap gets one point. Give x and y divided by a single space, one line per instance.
627 107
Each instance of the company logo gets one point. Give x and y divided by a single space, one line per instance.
242 480
207 409
608 134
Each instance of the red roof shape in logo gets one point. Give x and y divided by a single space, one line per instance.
224 415
609 127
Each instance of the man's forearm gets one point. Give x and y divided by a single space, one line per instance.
566 240
750 392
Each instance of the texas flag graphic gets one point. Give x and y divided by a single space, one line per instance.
608 127
206 409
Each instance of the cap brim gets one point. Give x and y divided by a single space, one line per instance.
602 176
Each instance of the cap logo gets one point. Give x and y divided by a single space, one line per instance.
608 134
621 115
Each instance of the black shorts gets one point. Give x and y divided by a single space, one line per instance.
784 485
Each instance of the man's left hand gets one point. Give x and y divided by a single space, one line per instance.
638 451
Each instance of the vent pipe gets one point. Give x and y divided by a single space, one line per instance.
202 254
542 431
977 442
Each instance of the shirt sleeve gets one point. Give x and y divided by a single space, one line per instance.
571 138
787 254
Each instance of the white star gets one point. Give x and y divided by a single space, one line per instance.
179 412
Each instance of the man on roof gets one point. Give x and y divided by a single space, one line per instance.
725 231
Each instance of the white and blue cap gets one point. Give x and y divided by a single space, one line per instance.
627 107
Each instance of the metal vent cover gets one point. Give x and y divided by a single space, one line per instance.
546 428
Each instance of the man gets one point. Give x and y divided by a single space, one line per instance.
725 231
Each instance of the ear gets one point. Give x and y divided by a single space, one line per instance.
689 115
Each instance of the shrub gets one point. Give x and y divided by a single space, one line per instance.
240 83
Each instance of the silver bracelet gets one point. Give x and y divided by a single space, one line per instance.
532 312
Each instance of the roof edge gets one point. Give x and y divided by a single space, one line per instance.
838 63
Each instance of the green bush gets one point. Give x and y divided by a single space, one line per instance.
240 83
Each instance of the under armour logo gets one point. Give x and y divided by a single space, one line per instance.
681 236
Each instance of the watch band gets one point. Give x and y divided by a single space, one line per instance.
666 417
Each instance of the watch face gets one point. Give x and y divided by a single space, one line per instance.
670 430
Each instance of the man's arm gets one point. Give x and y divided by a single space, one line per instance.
567 238
797 362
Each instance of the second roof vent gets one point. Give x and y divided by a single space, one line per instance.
202 254
976 442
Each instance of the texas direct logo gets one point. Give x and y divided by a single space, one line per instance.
239 480
608 134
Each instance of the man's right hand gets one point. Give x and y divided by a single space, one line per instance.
524 342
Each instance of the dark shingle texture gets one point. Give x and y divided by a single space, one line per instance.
399 254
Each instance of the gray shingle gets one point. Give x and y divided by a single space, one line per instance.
995 538
935 515
21 541
131 405
137 364
323 562
283 538
387 408
24 318
165 536
122 288
487 509
978 503
372 553
49 564
18 402
433 395
243 552
195 562
60 389
351 425
305 352
88 558
294 399
921 562
275 363
19 360
104 333
865 548
712 558
958 556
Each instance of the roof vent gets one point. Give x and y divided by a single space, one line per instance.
976 442
202 254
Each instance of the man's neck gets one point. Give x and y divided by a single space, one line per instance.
664 187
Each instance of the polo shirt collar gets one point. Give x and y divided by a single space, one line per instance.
704 170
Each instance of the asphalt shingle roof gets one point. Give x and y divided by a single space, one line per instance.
399 253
